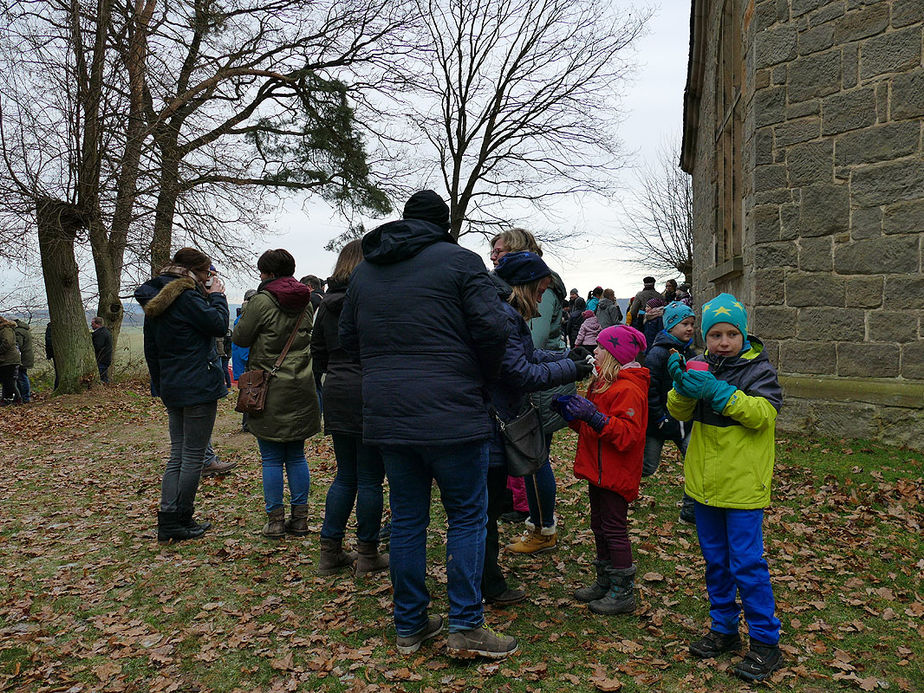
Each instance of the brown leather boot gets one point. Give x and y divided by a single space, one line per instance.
275 527
297 524
370 560
333 558
216 468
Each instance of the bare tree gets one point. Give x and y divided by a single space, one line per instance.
518 99
658 233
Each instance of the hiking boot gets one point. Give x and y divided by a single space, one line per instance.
620 598
481 641
408 644
597 590
275 527
333 558
536 540
216 467
514 516
185 518
713 643
169 528
506 598
369 559
297 524
688 516
760 661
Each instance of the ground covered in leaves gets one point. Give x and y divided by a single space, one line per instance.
89 600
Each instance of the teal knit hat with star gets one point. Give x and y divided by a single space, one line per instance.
725 308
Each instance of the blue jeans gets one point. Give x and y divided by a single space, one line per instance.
290 455
190 431
540 492
24 386
460 472
359 478
732 543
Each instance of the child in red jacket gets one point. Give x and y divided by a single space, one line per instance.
611 424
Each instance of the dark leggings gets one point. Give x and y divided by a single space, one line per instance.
609 520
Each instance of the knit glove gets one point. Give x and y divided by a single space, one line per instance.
583 409
579 354
584 368
559 405
709 388
676 366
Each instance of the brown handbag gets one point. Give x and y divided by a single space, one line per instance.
251 396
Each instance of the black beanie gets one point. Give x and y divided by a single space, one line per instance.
427 206
521 268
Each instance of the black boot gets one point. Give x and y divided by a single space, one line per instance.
620 599
597 590
171 528
760 661
713 643
186 519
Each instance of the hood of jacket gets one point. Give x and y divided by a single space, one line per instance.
558 287
604 303
22 324
638 376
7 323
503 288
290 293
157 295
335 296
401 240
666 339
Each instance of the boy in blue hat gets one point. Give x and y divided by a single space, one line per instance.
677 335
727 470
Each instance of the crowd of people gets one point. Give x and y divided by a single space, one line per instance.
437 400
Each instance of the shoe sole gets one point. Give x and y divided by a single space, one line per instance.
758 678
227 471
505 602
487 654
533 553
411 649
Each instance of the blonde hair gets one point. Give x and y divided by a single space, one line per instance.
350 257
517 239
607 370
523 299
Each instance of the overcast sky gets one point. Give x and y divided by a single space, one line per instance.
652 109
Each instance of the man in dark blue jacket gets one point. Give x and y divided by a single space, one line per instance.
424 405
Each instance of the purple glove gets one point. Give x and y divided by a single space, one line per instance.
559 404
583 409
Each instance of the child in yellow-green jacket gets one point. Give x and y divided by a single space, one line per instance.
728 468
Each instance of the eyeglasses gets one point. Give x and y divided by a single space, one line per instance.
497 251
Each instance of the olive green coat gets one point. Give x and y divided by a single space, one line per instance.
9 354
24 342
292 411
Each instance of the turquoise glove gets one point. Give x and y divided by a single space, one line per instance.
709 388
676 366
721 393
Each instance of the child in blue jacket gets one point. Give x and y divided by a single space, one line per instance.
727 470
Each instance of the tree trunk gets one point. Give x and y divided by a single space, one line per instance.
166 201
75 362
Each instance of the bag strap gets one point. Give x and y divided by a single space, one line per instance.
285 349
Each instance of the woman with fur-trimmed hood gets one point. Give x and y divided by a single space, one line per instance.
185 310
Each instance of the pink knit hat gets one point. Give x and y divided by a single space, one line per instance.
623 342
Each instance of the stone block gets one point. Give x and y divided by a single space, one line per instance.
770 286
774 46
796 131
772 350
825 210
864 292
815 254
878 143
766 223
863 23
850 65
907 217
868 360
818 358
814 75
891 326
790 222
801 7
830 419
769 177
848 111
831 325
906 291
885 184
913 360
895 51
764 15
884 255
905 12
814 40
773 197
908 95
782 10
763 147
882 102
778 76
769 106
803 109
865 223
902 426
810 162
774 322
769 255
827 12
814 289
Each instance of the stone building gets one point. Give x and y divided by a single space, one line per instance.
803 134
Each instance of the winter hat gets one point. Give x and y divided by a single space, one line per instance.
648 281
623 342
725 308
521 268
427 206
676 313
587 314
655 303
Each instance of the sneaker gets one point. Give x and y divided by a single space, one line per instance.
537 541
713 643
760 661
408 644
480 642
514 516
506 598
688 517
217 467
